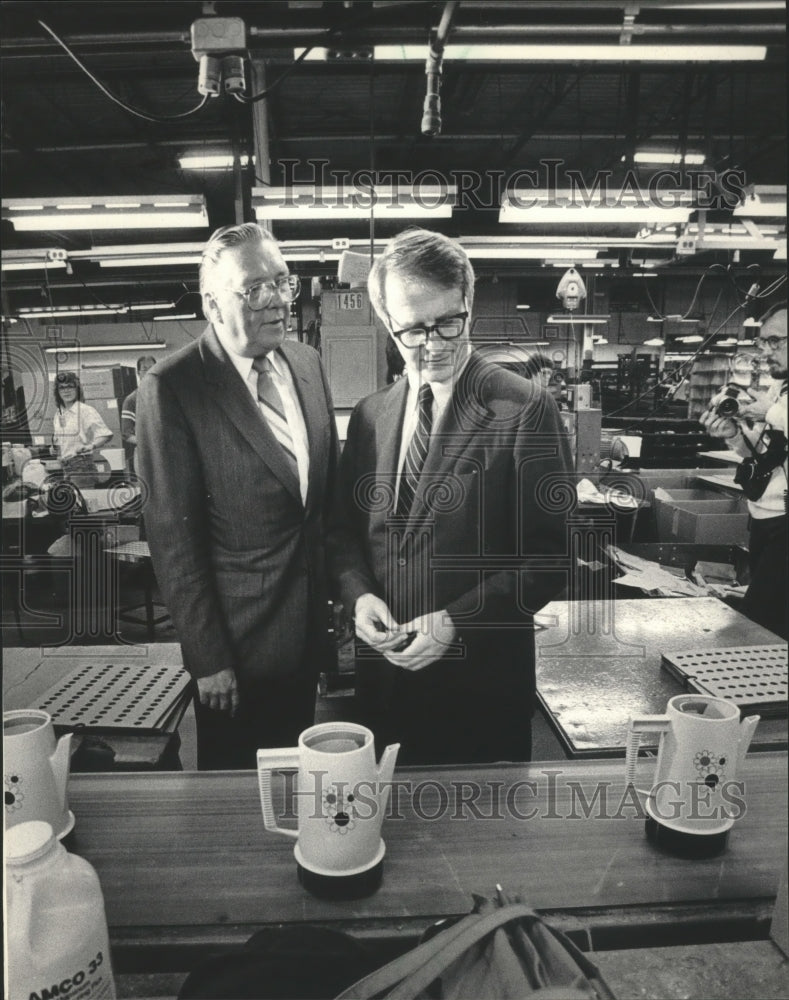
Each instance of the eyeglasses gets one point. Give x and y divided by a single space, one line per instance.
772 342
262 295
448 328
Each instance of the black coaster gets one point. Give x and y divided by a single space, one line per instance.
685 845
342 886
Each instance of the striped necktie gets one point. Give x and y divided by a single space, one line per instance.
270 398
417 451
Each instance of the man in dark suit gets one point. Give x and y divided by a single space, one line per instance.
238 447
451 532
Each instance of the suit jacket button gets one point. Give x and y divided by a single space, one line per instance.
402 562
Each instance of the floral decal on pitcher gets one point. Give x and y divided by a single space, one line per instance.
339 810
711 768
14 795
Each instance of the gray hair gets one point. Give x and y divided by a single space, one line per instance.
227 238
423 256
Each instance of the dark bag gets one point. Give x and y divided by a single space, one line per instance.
498 952
752 476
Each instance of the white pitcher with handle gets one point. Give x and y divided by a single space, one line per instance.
342 798
695 797
35 771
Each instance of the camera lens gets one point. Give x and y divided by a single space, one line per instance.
727 407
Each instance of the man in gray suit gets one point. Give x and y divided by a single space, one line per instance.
237 445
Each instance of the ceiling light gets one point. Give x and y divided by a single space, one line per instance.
211 161
145 306
750 321
563 53
661 156
692 338
178 316
573 206
506 252
151 212
33 260
763 200
309 202
577 320
654 342
149 345
522 307
726 342
47 311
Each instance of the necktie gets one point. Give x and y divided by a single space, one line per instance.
269 396
417 451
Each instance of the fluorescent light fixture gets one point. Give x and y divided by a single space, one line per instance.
727 342
33 260
655 342
522 307
146 212
177 316
46 312
310 202
763 200
506 252
577 320
211 161
145 306
149 345
750 321
692 338
660 156
641 274
575 207
143 254
561 53
166 261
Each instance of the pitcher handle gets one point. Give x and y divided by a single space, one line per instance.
637 726
281 759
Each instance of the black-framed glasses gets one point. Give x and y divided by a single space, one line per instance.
262 295
448 328
772 342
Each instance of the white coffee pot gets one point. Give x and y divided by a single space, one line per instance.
702 746
35 771
342 798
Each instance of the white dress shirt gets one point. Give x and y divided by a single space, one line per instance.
283 379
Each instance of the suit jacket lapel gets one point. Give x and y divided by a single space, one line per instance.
388 433
235 399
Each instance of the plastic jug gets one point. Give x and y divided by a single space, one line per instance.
56 927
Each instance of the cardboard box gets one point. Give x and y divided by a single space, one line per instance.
701 521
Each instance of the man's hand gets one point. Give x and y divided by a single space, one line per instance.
718 427
375 625
219 691
433 633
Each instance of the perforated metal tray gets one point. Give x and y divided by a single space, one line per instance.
753 677
117 696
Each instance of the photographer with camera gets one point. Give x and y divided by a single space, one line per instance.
754 424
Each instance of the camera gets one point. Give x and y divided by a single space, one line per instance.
729 405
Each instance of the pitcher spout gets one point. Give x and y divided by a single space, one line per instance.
387 763
747 729
59 762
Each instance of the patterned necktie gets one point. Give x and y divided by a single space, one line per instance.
270 397
417 451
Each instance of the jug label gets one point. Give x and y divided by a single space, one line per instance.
94 982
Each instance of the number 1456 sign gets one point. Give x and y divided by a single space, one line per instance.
350 300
